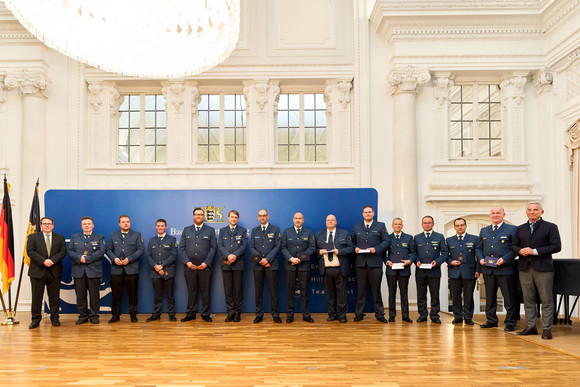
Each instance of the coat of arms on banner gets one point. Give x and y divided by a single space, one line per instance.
213 214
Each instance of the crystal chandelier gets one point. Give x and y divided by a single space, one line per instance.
145 38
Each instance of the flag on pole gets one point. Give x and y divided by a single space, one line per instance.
6 241
33 223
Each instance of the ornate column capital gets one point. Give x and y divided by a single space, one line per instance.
195 98
97 92
442 82
405 79
31 83
512 87
3 88
258 92
173 91
341 87
543 80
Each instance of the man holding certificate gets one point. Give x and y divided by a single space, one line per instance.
463 270
431 253
498 267
371 240
400 256
334 247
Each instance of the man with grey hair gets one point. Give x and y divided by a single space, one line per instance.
534 242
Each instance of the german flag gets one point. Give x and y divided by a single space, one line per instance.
33 223
6 241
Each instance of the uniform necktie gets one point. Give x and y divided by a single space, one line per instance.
330 242
397 237
298 231
233 229
263 230
160 238
368 227
532 225
460 238
124 234
87 236
494 228
47 240
197 229
428 234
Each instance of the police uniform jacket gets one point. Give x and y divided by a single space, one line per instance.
198 247
265 245
497 244
431 249
342 242
94 248
402 249
133 248
293 244
465 250
232 243
378 238
36 250
162 252
545 239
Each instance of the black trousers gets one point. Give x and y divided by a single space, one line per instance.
198 281
403 281
233 290
507 284
336 296
129 282
433 284
371 276
303 282
83 285
159 285
52 285
272 278
465 286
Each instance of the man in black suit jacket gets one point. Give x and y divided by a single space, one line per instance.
46 251
535 241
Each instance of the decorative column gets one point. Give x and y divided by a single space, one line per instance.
195 100
338 121
261 109
178 122
3 131
104 101
442 84
512 95
404 82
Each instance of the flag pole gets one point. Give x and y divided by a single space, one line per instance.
7 313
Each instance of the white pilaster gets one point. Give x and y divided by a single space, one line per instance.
512 95
337 95
177 101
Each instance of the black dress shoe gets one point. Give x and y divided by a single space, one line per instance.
81 321
407 320
528 331
457 321
172 317
469 321
134 318
152 318
332 318
188 317
114 319
277 320
229 318
342 320
382 319
391 319
289 319
259 319
421 319
358 318
55 322
207 318
488 325
436 321
547 334
94 320
308 319
509 328
34 324
237 317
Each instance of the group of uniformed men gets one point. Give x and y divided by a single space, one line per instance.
493 254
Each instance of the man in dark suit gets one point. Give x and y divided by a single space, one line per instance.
535 241
232 245
197 249
124 248
371 240
297 248
495 242
161 256
265 244
86 250
463 269
401 252
334 248
46 251
432 251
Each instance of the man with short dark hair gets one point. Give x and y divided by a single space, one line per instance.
86 250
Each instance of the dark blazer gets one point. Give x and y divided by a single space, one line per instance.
378 238
402 249
342 242
466 250
133 248
95 248
293 243
497 244
265 245
162 253
428 250
198 247
546 241
232 243
36 250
